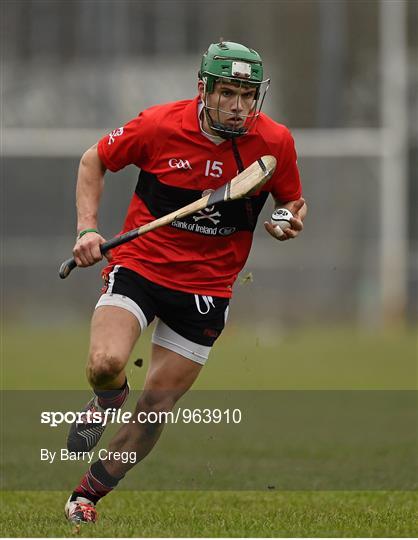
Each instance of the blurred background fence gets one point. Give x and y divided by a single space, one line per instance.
344 79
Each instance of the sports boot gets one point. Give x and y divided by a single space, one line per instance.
80 510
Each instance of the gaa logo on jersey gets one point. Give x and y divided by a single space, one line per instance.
177 163
115 133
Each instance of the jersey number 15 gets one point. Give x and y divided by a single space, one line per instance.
213 168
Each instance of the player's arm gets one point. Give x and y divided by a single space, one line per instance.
299 210
90 182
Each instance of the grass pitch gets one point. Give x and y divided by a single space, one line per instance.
219 514
338 358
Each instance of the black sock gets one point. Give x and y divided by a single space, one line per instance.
95 484
113 399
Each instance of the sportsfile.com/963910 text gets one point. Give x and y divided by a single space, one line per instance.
116 416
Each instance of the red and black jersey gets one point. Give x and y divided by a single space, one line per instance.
203 253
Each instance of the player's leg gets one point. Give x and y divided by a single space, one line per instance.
169 376
180 349
114 332
122 312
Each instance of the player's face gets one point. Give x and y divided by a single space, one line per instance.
231 104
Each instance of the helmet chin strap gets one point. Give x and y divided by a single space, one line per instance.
223 131
228 136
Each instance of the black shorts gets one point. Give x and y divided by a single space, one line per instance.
197 318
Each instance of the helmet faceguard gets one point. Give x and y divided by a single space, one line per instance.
237 65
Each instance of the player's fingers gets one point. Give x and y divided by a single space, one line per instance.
78 255
282 236
96 253
80 258
290 234
274 231
109 255
88 255
84 253
78 261
297 224
90 247
271 229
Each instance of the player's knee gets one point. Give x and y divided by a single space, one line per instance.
103 367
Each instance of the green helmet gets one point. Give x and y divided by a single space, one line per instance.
230 60
232 63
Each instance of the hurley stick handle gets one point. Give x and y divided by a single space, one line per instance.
69 265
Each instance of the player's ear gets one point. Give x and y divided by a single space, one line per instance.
201 89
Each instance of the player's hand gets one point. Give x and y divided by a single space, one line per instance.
298 210
87 252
